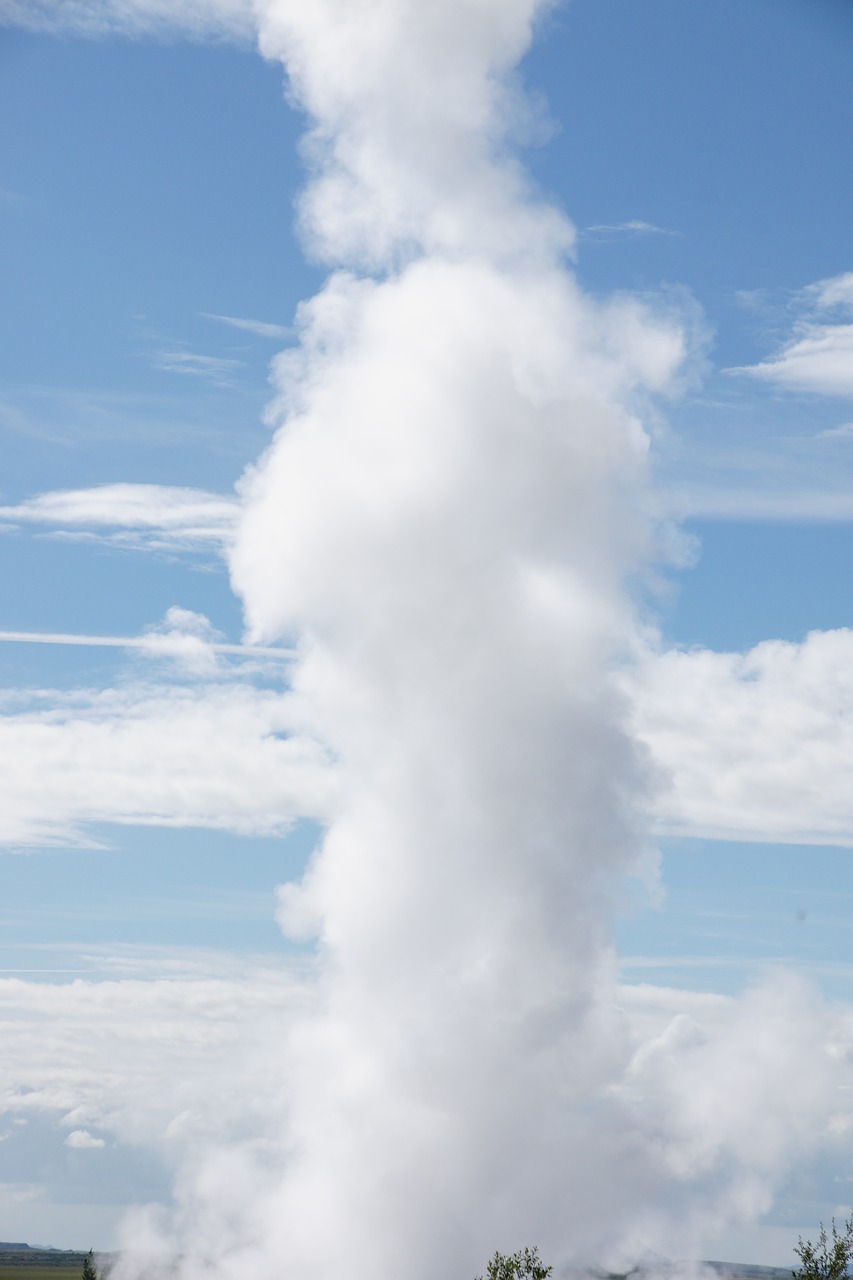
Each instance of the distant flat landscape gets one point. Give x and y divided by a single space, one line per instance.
20 1261
743 1271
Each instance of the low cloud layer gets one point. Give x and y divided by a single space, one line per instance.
148 1061
151 1065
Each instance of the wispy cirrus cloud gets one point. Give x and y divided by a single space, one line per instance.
633 227
183 635
817 356
819 359
199 19
837 291
844 431
752 501
164 516
219 370
260 328
8 196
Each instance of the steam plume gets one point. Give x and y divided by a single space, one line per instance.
446 526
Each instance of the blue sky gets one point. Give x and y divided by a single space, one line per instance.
151 271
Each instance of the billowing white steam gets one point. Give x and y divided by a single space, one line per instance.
447 524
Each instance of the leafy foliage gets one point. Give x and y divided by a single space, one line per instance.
829 1258
89 1271
524 1265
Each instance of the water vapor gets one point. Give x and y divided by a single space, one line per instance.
449 526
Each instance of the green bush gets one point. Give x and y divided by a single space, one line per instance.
524 1265
830 1258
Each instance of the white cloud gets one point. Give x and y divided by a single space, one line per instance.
183 636
818 357
260 327
745 501
754 746
227 757
83 1140
210 19
396 166
634 227
163 516
218 370
835 292
844 431
152 1062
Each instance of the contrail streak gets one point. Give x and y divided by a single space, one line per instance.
147 643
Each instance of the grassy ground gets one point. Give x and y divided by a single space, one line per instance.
35 1265
39 1271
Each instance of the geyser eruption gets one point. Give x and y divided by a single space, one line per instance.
446 525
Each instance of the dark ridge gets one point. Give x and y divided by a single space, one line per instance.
663 1269
749 1271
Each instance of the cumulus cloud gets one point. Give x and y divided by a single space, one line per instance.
229 757
756 745
156 515
818 356
83 1140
